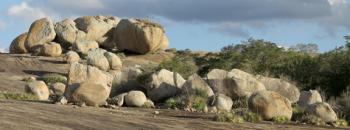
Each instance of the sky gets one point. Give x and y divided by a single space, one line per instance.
206 25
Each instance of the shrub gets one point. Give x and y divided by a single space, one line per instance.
298 113
341 123
197 100
52 78
228 117
252 117
184 65
314 120
17 96
240 102
280 119
173 103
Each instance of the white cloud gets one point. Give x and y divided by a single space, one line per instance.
25 12
82 4
336 2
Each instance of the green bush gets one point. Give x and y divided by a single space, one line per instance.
17 96
280 119
240 102
341 123
252 117
228 117
182 64
173 103
197 100
52 78
314 120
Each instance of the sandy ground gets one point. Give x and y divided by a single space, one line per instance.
19 115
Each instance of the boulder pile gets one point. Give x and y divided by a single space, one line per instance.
48 38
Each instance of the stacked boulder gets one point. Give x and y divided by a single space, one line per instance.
90 32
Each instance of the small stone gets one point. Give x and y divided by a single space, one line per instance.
156 112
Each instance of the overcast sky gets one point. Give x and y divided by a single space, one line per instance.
200 24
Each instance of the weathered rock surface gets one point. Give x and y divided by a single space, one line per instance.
223 103
96 58
58 88
115 62
282 87
135 99
71 57
84 46
196 83
41 31
66 32
92 94
98 28
235 84
140 36
18 44
164 84
79 73
322 110
51 49
270 104
39 89
308 98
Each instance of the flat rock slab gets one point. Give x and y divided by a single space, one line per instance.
38 115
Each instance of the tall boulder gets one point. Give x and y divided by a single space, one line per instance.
98 28
140 36
308 98
79 73
270 104
282 87
39 89
323 111
96 58
164 84
41 31
51 49
235 84
196 83
92 94
18 44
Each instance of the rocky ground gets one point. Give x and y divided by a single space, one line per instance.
45 115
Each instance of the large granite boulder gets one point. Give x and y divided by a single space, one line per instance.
18 44
196 83
90 93
308 98
41 31
270 104
140 36
164 84
282 87
322 110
